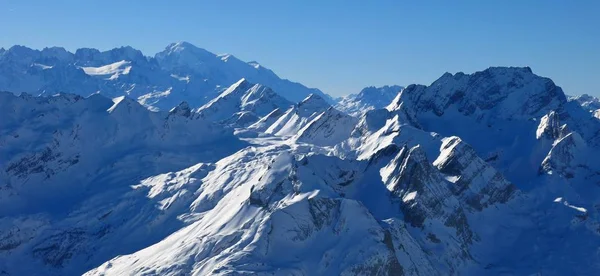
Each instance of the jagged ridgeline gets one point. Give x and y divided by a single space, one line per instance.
182 72
490 173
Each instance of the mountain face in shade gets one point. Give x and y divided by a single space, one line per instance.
490 173
182 72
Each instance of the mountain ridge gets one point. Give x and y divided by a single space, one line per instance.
180 72
484 173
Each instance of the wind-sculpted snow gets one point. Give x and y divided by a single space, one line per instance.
182 72
485 174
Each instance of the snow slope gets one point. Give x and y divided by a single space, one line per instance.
242 97
491 173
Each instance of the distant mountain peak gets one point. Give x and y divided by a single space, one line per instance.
180 46
180 72
243 98
368 98
314 102
588 102
184 48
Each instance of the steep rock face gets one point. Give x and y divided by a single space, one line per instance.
550 127
566 156
504 92
477 183
512 107
445 205
516 138
368 99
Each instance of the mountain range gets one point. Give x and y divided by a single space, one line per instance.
489 173
182 72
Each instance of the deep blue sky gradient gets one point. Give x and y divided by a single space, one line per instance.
337 46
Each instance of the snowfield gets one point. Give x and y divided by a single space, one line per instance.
490 173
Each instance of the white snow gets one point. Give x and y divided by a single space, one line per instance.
42 66
564 202
116 69
410 196
186 78
106 187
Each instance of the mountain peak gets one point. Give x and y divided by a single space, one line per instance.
509 91
368 98
21 50
313 98
588 102
183 47
241 84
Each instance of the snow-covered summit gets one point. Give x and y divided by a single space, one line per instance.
367 99
243 96
588 102
313 103
182 72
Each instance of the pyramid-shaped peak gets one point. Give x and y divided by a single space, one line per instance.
184 47
241 84
181 45
314 100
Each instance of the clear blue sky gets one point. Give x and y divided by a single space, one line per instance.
337 46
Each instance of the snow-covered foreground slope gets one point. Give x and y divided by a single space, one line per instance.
492 173
68 162
182 72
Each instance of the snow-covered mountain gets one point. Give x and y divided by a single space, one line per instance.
588 102
182 72
369 98
242 104
491 173
312 121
